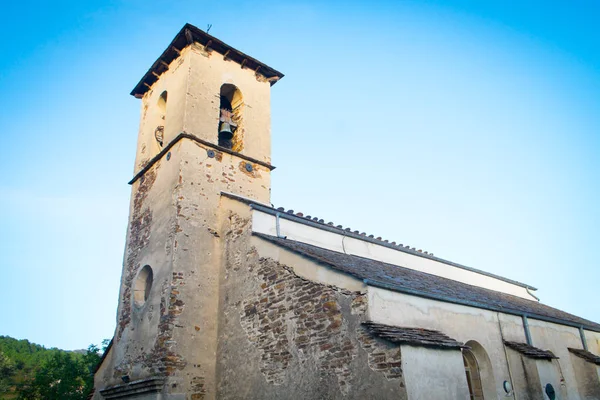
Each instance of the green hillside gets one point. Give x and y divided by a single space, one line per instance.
32 372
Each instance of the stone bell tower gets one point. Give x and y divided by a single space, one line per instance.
204 129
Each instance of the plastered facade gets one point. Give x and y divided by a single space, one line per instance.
489 330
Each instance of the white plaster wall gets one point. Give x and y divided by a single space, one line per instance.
468 323
525 377
434 374
586 374
593 342
265 223
550 373
557 338
459 322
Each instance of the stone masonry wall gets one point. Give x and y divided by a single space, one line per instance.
139 234
282 336
308 314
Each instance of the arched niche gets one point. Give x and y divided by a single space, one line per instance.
482 373
230 127
142 286
159 132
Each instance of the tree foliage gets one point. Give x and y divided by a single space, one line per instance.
31 372
7 370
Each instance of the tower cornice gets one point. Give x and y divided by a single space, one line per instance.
190 34
184 135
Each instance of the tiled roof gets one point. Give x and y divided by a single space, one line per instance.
405 280
412 336
190 34
530 351
346 231
586 355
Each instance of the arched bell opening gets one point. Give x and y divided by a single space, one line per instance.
230 117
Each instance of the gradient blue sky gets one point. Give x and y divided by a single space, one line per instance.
470 129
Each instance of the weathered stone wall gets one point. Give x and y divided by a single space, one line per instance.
174 224
284 337
140 346
174 81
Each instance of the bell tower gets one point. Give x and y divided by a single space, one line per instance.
204 130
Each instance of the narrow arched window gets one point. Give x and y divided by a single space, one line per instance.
230 118
142 286
473 376
159 132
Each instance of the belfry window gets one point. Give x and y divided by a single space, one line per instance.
159 132
473 376
230 117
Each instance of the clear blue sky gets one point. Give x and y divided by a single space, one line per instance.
470 129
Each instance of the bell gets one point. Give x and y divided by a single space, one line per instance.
225 131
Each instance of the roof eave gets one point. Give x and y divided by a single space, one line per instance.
190 34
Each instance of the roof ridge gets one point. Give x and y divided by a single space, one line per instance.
290 214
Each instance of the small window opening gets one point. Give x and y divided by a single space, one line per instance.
230 117
159 132
473 376
143 284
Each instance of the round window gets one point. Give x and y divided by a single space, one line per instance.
550 392
143 284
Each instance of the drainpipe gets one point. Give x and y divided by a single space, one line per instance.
277 227
583 340
531 294
526 327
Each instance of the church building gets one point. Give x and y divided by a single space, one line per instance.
224 296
